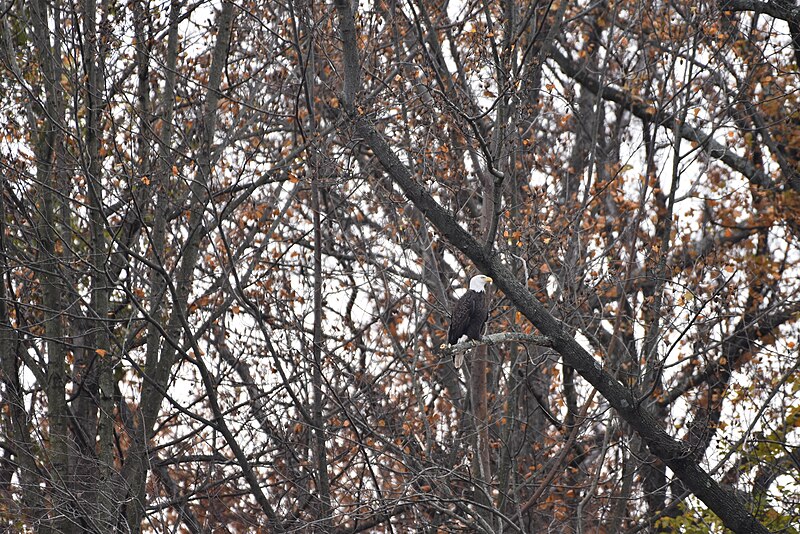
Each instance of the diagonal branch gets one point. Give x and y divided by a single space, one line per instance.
723 502
646 112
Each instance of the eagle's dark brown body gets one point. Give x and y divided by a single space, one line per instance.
469 315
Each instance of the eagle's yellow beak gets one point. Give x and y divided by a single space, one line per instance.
488 279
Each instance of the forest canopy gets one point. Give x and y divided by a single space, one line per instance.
232 235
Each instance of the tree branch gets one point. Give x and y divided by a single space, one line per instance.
495 339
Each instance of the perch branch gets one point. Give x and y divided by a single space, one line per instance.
495 339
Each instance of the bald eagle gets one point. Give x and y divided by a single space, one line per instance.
469 314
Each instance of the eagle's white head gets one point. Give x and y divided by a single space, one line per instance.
478 283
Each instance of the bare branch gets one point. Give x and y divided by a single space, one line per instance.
495 339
